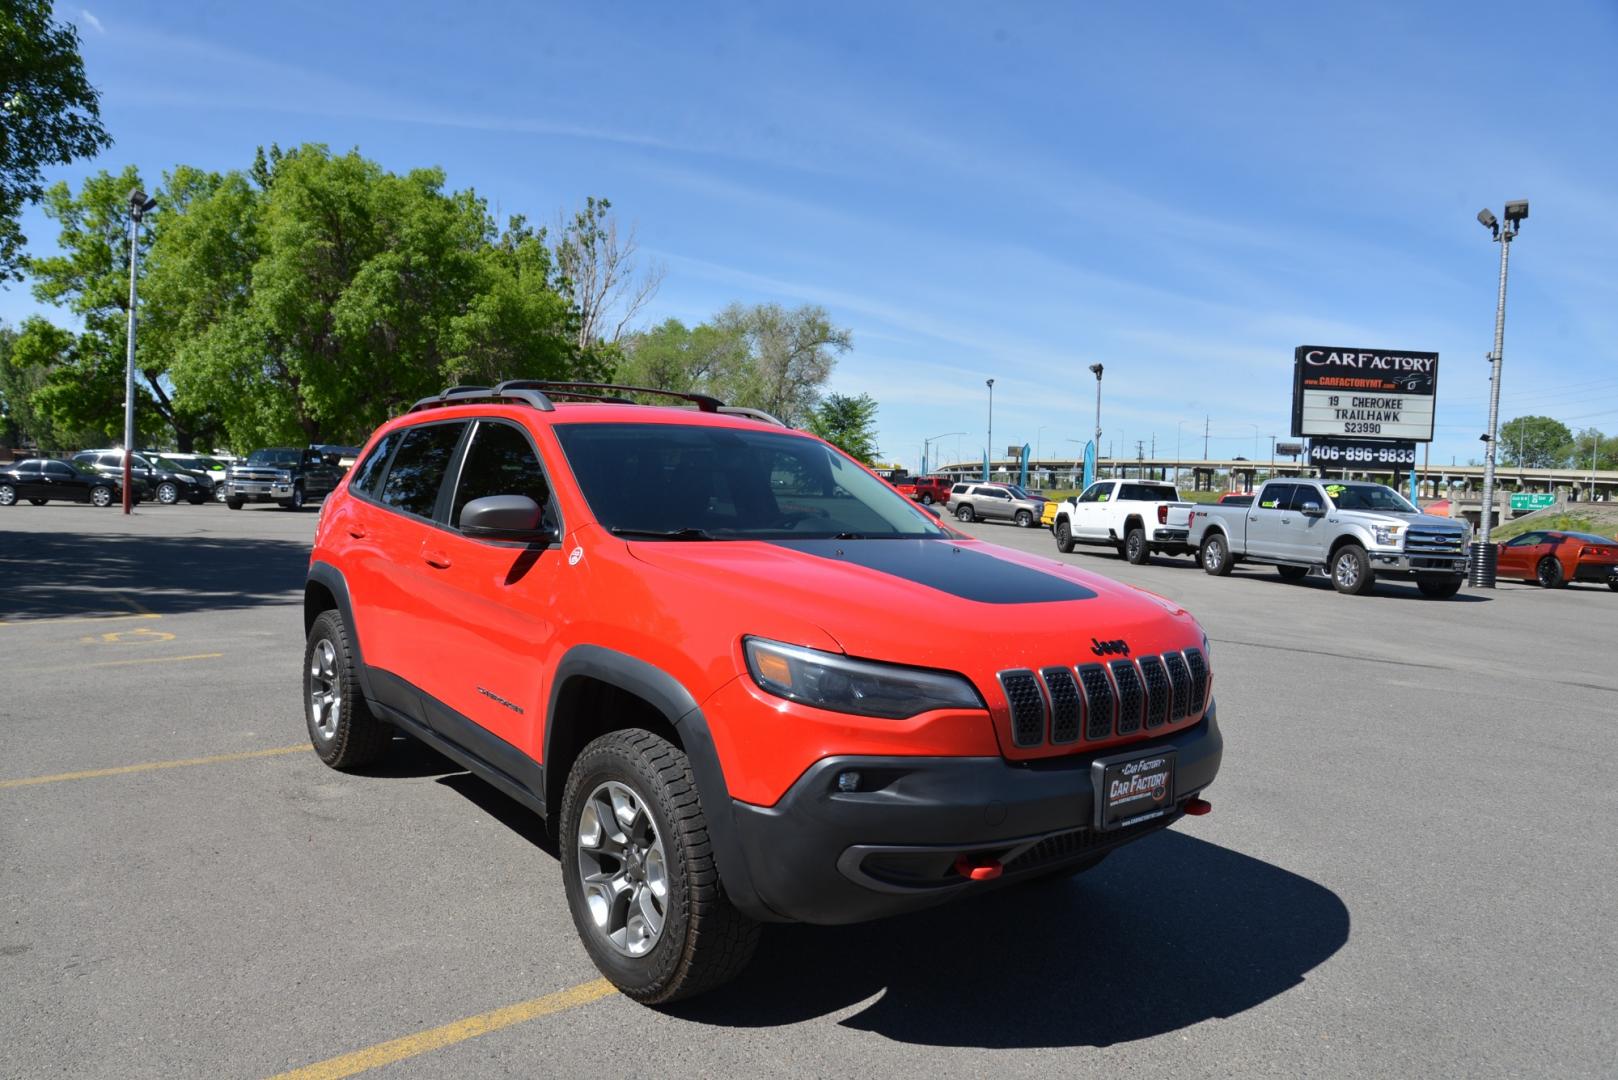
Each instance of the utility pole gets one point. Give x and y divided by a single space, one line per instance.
1205 438
139 203
988 462
1485 554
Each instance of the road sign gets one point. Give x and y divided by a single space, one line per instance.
1363 393
1526 500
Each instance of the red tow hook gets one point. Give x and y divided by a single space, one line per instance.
978 869
1197 807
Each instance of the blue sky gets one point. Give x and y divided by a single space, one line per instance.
1184 192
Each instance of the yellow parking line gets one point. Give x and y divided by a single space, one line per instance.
436 1038
77 619
153 660
121 770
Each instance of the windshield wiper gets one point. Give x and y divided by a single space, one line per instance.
661 534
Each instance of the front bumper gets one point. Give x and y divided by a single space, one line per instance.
820 855
262 489
1397 562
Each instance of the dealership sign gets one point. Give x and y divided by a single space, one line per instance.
1363 393
1349 453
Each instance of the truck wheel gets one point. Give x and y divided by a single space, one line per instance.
1024 519
39 502
1064 537
234 504
639 872
167 493
1351 572
1292 573
1549 573
1216 556
296 502
1438 588
1135 549
963 512
926 499
341 727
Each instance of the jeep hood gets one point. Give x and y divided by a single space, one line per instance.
962 605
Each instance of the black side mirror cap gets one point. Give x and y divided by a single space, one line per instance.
505 517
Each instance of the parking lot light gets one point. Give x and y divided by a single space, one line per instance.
139 203
1482 570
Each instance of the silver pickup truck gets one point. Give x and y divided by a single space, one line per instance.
1352 531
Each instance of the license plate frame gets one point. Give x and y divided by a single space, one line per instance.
1134 787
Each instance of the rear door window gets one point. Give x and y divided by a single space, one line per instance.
418 468
1276 496
60 470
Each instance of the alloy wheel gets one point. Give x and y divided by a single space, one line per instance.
1347 571
325 689
8 495
101 496
623 868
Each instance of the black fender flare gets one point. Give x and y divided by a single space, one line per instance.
671 698
331 579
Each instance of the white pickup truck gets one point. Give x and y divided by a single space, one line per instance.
1138 517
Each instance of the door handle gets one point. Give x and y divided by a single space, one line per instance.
435 559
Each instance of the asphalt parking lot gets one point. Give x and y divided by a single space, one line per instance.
1409 868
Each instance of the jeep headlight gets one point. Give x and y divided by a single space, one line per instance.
1386 535
835 682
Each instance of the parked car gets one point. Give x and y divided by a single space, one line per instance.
41 480
1355 532
1553 558
210 466
995 502
284 475
1138 517
165 485
931 489
740 676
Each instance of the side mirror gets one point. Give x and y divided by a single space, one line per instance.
1313 509
505 517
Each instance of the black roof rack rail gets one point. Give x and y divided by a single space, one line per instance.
457 395
704 402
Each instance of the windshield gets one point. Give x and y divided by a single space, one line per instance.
1020 493
1368 497
275 457
684 482
1592 538
82 469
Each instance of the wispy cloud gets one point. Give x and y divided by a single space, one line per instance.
90 20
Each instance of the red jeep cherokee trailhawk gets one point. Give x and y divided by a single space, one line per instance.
743 678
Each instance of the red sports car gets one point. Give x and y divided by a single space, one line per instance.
1555 558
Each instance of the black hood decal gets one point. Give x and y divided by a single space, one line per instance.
949 568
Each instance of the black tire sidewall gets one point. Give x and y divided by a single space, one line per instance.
605 759
1362 583
1024 519
1136 550
963 513
1214 544
1555 575
1064 536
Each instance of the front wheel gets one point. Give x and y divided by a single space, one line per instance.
8 495
1216 556
1351 572
1024 519
964 513
1135 549
297 500
167 493
101 496
926 500
219 493
639 872
235 504
1549 573
1438 588
1064 537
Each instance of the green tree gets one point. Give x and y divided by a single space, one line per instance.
790 356
1589 446
848 423
598 274
49 114
671 356
1535 442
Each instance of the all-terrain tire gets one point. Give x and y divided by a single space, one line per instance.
1215 555
347 735
1136 549
1351 572
704 940
1292 573
1549 573
1064 537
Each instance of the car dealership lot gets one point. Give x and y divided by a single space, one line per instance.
1409 867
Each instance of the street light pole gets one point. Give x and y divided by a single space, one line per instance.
927 446
988 462
1516 213
139 203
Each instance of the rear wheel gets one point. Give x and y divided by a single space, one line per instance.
1351 572
639 872
1216 555
341 727
1024 519
926 499
39 502
964 512
1438 588
1135 549
1064 537
1549 573
100 495
1292 573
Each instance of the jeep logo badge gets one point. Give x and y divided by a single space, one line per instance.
1119 647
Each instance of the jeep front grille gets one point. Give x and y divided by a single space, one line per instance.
1055 705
